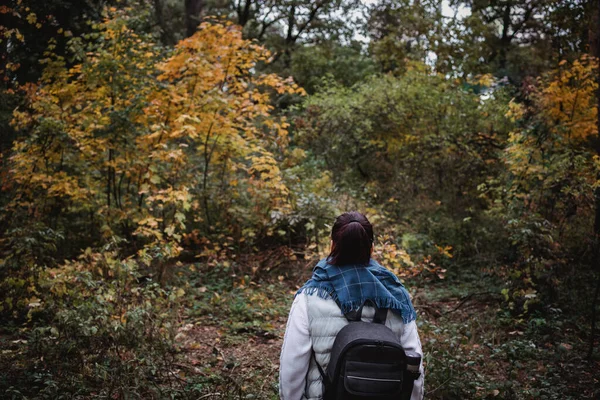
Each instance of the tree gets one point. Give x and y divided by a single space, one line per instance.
524 38
312 65
125 145
547 196
283 24
418 146
26 27
401 31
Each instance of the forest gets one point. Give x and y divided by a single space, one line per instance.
170 171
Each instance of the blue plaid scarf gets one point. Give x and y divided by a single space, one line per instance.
351 285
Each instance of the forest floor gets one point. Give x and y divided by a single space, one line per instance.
232 326
230 340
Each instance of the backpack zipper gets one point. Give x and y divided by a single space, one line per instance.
373 379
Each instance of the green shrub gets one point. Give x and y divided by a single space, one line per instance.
111 332
23 254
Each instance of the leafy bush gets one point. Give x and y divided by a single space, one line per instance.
416 148
111 332
24 253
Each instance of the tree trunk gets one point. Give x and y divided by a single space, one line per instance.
193 15
595 49
289 39
505 39
244 14
593 322
166 35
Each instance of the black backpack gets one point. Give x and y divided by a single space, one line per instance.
368 362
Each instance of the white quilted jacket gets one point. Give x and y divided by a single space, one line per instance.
313 323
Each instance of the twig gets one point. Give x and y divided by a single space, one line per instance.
435 389
432 310
221 354
465 299
189 368
266 379
209 395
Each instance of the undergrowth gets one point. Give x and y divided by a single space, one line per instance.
226 343
475 348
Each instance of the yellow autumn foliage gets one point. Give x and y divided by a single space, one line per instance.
568 98
147 146
564 107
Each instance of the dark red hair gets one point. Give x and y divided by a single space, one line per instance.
352 236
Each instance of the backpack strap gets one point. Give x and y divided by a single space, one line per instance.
379 317
324 376
354 316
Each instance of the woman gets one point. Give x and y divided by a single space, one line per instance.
341 283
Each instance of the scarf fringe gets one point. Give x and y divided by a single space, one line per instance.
323 292
407 312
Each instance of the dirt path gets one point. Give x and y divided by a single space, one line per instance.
243 366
